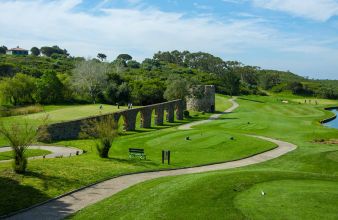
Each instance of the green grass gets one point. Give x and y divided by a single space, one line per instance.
51 177
321 200
58 113
300 185
66 112
221 104
8 155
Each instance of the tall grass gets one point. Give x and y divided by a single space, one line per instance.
11 111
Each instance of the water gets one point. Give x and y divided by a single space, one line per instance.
333 123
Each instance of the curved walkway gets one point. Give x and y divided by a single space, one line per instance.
68 204
56 152
212 117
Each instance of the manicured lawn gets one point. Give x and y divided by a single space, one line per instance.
300 185
57 113
221 105
51 177
65 113
8 155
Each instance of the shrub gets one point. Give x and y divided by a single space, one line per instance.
105 130
186 114
19 136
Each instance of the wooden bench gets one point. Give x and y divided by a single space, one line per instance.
135 152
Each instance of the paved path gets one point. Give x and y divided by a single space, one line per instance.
69 204
212 117
56 152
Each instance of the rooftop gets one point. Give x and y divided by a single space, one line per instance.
17 49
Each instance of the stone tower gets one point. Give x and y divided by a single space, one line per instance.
202 98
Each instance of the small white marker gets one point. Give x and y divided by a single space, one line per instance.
263 193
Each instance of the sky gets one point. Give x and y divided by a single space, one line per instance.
300 36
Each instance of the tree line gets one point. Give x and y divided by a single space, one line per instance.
58 77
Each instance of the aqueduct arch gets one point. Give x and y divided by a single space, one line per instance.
72 129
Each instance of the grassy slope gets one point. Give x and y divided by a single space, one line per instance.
8 155
57 113
51 177
300 185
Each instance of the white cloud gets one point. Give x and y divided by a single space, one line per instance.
319 10
121 30
143 31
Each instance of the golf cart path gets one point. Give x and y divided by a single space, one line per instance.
55 152
212 117
66 205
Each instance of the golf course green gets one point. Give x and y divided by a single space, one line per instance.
49 178
300 185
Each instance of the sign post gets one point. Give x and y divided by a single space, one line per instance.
166 156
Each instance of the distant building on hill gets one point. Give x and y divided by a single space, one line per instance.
17 51
202 98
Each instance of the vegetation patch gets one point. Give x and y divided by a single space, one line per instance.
323 141
14 111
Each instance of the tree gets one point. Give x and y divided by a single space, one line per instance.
7 69
35 51
269 80
176 89
151 64
101 56
90 78
19 137
230 83
105 130
49 89
133 64
146 92
119 65
18 90
124 57
48 51
3 49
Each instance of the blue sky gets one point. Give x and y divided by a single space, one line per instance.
296 35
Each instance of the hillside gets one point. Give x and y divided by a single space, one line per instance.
60 78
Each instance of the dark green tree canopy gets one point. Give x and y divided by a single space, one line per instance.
35 51
49 89
48 51
124 57
3 49
101 56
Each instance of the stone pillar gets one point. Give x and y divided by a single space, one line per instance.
116 117
159 114
129 119
146 117
171 112
179 110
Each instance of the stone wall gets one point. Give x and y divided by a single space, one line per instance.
202 98
72 129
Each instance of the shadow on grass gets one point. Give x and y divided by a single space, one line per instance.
15 196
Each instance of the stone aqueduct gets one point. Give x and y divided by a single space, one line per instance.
72 129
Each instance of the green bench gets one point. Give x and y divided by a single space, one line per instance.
136 152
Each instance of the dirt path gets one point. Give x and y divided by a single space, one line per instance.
212 117
61 207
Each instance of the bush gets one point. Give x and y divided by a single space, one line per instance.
186 114
105 129
10 111
19 136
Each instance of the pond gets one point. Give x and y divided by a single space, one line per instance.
333 123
